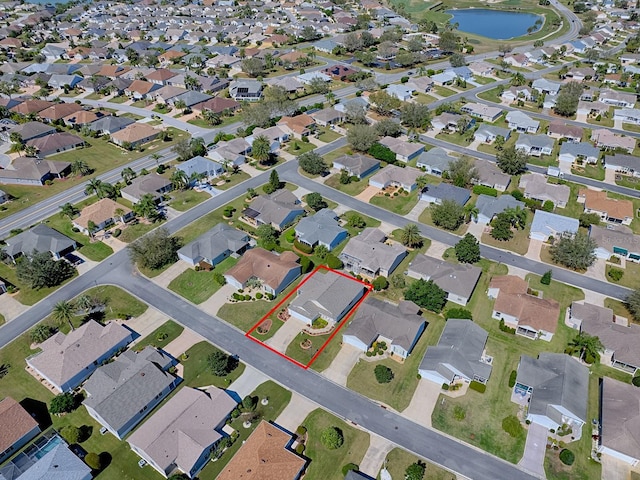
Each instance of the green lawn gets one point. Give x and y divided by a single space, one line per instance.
518 244
304 356
631 276
231 180
26 295
198 286
353 188
425 217
199 122
196 370
463 140
183 200
161 336
327 464
401 204
133 232
398 460
327 135
398 393
278 397
619 308
443 91
491 95
302 147
119 99
424 98
369 222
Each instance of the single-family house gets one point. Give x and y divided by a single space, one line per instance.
327 295
513 94
358 165
121 393
402 92
615 240
488 206
396 176
536 145
27 131
484 112
17 427
140 89
488 133
322 228
545 86
445 191
57 462
536 187
627 115
521 122
247 90
134 135
181 434
217 105
557 387
266 455
308 77
275 272
608 209
516 60
104 213
531 316
110 124
421 84
40 238
617 99
489 175
151 184
627 164
618 336
482 68
547 224
571 133
405 151
619 421
398 325
33 171
299 126
458 280
608 140
447 121
278 209
56 143
328 116
200 167
212 247
59 111
368 254
459 355
65 361
578 153
434 161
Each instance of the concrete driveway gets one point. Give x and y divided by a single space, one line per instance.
164 279
295 412
423 402
614 469
285 335
533 458
376 453
187 339
247 383
535 246
367 194
215 301
342 364
10 308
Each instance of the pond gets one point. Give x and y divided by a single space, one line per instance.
495 24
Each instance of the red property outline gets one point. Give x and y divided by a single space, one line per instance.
335 331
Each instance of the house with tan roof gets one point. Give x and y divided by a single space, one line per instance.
151 184
278 209
299 126
31 106
370 255
139 89
405 151
33 171
265 455
608 209
82 117
395 176
58 111
559 130
619 421
181 433
17 427
160 76
134 135
608 140
536 187
104 213
65 361
274 272
532 317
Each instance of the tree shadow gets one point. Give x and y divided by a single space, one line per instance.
38 411
105 460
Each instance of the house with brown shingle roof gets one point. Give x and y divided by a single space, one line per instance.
531 316
265 455
298 126
216 105
56 143
274 271
160 76
17 427
33 171
31 106
65 361
58 111
103 213
113 71
609 209
135 134
139 89
82 117
151 184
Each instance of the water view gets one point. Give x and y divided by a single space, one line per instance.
494 23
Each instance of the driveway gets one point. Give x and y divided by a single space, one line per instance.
598 269
436 249
423 402
187 339
377 452
295 412
342 364
416 211
367 194
476 229
10 308
165 278
146 323
533 458
535 246
217 300
609 176
285 335
246 383
614 469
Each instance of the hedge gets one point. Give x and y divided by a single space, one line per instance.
512 378
636 381
458 313
477 386
333 261
484 190
303 247
512 425
506 329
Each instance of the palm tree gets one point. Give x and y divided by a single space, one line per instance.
94 186
84 302
63 312
119 212
422 181
211 117
146 207
261 149
589 347
30 150
80 167
471 211
128 174
518 79
179 180
410 236
68 210
330 96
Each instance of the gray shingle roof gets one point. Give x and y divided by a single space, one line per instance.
110 124
210 245
446 191
552 224
274 208
40 238
357 164
370 251
322 227
620 417
436 158
582 149
58 464
491 206
458 279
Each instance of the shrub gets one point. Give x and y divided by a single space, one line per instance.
380 283
70 433
306 264
303 247
546 278
567 457
380 152
333 262
63 403
548 206
445 386
615 274
93 460
290 236
512 425
259 296
477 386
506 329
458 312
41 332
116 233
459 413
301 431
228 211
332 438
481 189
518 195
383 373
512 378
636 381
300 448
219 278
349 467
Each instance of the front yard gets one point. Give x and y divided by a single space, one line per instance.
353 188
183 200
196 368
400 203
198 286
518 244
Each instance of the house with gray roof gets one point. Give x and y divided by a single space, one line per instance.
368 254
458 280
618 240
618 336
459 355
110 124
33 171
278 209
396 176
58 463
488 133
65 361
357 165
40 238
321 229
547 224
445 191
328 116
182 432
249 90
212 247
521 122
627 164
200 166
489 175
28 131
488 206
535 145
190 98
558 390
405 151
121 393
536 187
398 325
619 421
545 86
325 294
581 151
151 184
434 161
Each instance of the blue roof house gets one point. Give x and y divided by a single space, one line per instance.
546 224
